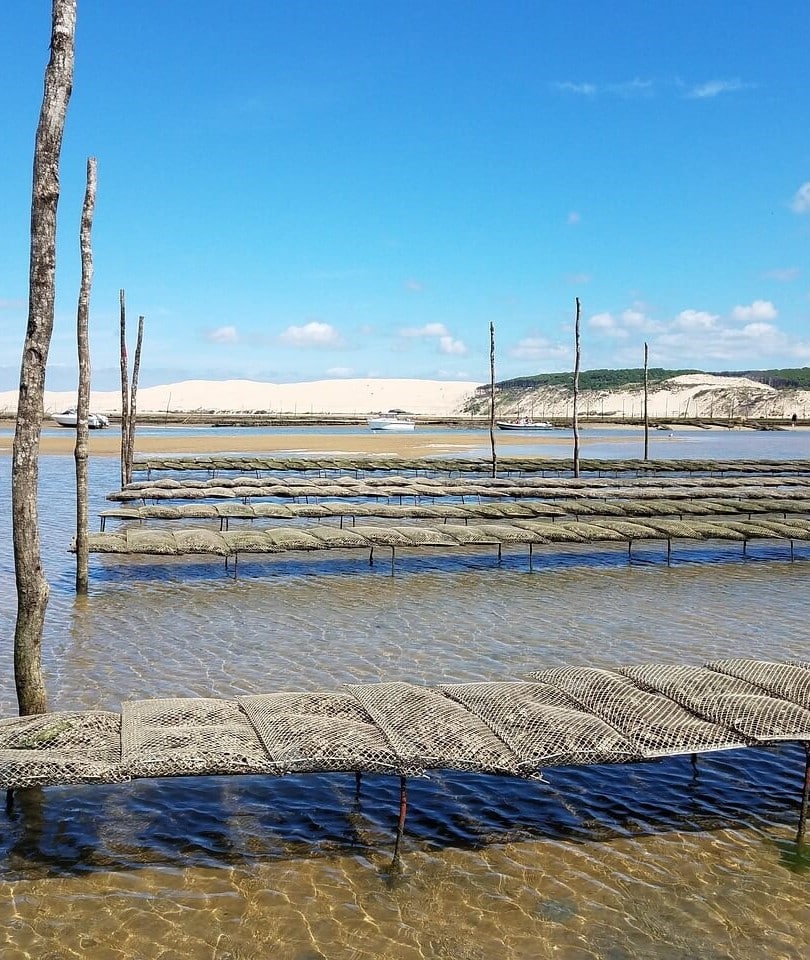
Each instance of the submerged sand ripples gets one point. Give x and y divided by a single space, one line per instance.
664 860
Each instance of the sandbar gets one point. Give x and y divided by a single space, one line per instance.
108 443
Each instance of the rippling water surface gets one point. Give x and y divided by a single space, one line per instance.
668 859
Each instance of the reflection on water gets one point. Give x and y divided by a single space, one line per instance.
668 859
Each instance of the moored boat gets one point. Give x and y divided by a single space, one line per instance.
392 422
70 418
526 425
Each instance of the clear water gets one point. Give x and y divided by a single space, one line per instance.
662 860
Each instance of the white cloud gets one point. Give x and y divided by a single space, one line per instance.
634 318
428 330
620 326
757 331
625 88
573 218
223 335
783 274
446 342
801 350
449 344
538 349
415 286
758 310
695 320
584 89
631 88
312 334
801 199
744 337
705 91
578 278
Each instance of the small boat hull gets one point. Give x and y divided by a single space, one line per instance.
69 418
391 424
527 426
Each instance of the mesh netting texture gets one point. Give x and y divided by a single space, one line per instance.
563 715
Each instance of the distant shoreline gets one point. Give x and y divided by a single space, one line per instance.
699 400
463 435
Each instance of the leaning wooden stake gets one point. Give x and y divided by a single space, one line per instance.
133 402
129 394
124 387
575 411
83 405
32 587
492 398
646 411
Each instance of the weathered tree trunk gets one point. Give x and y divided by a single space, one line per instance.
492 398
646 414
83 404
133 402
32 587
576 392
124 389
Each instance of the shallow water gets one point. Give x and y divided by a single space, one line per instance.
666 859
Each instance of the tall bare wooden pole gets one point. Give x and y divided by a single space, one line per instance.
32 587
492 398
81 452
575 418
124 388
133 402
646 413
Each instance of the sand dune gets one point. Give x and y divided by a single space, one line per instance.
689 396
425 397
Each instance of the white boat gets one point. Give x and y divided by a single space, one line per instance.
524 424
69 418
392 423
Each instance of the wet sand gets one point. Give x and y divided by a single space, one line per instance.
108 444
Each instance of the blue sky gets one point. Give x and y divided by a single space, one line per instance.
312 189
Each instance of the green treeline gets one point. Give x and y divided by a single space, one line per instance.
790 377
796 377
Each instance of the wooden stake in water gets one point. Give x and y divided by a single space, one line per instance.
403 810
575 411
805 797
646 414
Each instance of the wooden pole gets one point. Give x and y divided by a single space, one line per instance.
403 810
805 796
492 398
32 587
81 452
124 387
646 414
133 402
576 391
